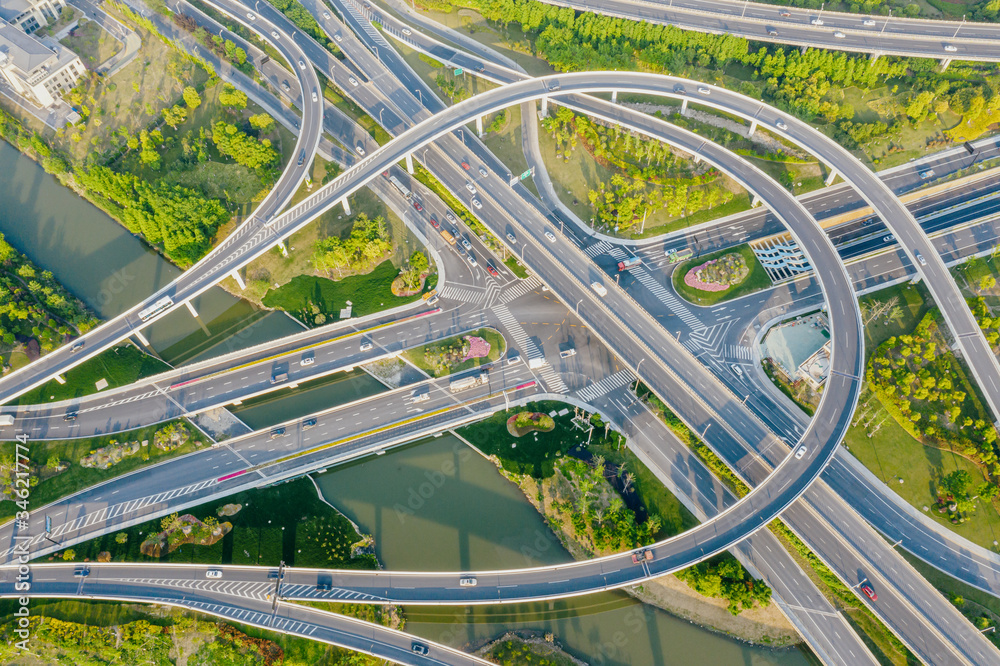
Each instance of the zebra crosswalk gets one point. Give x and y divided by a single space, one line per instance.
605 386
672 302
740 352
597 248
476 296
529 349
520 288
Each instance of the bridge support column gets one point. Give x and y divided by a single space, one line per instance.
284 250
545 107
239 279
753 128
60 379
874 57
347 206
479 125
697 157
194 313
804 49
755 202
409 163
684 107
142 338
614 96
831 178
945 63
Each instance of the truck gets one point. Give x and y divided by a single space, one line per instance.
471 381
673 256
631 262
6 419
599 288
535 363
279 377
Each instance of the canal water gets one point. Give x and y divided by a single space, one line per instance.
438 505
110 270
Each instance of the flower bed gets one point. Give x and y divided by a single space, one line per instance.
718 274
523 423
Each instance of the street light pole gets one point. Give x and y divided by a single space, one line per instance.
745 8
959 27
578 307
887 23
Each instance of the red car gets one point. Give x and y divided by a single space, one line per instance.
492 271
869 592
435 223
416 204
465 165
385 173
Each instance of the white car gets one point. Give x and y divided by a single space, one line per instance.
737 369
307 360
406 31
470 187
274 33
467 582
781 125
302 65
888 239
213 573
472 261
354 81
704 91
483 172
466 244
920 258
366 346
950 49
817 21
839 35
512 239
801 452
326 15
337 38
551 236
450 216
284 85
315 96
359 150
251 16
477 203
869 22
514 360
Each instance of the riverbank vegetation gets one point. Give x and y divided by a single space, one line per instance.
37 314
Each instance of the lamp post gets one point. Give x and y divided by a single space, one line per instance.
578 307
887 23
959 27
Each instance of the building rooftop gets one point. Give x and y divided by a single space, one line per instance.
11 9
24 51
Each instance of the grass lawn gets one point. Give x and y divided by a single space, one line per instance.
77 478
119 365
913 301
353 111
755 281
892 454
506 144
422 356
369 293
284 522
532 454
91 43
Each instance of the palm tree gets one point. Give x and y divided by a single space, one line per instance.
628 481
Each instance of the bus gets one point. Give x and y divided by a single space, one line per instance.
673 256
156 308
399 186
445 234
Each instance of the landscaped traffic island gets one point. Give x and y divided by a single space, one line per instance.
455 354
719 276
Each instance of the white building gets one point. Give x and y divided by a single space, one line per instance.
41 70
30 15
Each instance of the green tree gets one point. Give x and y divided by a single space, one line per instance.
261 122
175 115
69 555
192 98
231 97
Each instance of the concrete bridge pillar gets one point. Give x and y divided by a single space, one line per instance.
239 279
284 250
479 125
831 177
945 63
684 107
347 206
697 157
874 57
409 163
142 338
545 107
614 96
753 128
755 202
194 313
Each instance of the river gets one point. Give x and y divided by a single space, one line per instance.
438 505
111 270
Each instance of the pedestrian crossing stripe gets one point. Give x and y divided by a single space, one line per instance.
605 386
598 249
672 302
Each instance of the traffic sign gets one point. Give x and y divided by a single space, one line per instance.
458 71
527 173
